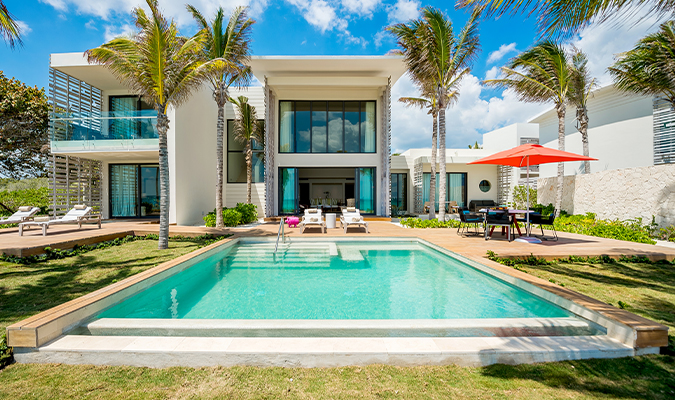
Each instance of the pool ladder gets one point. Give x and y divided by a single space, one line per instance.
281 234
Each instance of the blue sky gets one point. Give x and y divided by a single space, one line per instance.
319 27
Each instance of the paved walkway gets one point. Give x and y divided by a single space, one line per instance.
65 237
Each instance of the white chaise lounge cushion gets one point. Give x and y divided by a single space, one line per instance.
80 207
21 215
25 208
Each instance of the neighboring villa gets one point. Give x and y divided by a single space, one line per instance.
327 137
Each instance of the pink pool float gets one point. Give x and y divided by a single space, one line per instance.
292 222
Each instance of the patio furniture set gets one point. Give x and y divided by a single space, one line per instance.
313 217
25 217
490 218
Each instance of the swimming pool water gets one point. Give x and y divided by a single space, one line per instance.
368 280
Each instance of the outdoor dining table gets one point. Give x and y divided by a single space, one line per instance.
512 213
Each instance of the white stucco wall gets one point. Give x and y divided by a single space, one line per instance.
620 132
618 194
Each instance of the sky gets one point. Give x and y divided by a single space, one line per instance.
327 27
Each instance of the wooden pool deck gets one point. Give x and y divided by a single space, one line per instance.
65 237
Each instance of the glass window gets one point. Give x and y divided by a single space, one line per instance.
399 193
366 190
149 190
124 122
288 190
484 186
123 190
236 159
327 127
455 187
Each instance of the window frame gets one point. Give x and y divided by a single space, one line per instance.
344 136
139 188
228 151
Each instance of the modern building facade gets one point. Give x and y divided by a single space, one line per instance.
327 139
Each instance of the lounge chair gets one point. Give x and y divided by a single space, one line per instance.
25 213
312 217
78 215
352 216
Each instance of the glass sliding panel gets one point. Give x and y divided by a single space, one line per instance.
286 127
457 188
149 190
366 187
319 133
123 190
352 140
368 127
335 127
288 190
119 126
399 192
302 127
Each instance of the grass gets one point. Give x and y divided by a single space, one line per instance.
646 289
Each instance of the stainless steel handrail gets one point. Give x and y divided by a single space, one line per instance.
280 233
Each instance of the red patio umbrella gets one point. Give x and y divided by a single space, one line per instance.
524 156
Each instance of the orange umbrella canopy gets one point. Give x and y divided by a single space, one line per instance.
537 154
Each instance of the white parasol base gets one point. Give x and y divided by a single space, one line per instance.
527 239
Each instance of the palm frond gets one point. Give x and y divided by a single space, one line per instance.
9 28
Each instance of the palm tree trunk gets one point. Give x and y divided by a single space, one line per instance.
583 129
249 172
164 183
442 195
220 95
560 108
432 178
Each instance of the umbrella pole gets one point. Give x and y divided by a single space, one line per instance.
528 238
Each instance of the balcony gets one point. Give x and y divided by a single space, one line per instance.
104 132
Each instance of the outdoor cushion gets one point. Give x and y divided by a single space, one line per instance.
312 211
351 209
79 206
313 219
356 219
25 208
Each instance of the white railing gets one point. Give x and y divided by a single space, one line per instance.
280 233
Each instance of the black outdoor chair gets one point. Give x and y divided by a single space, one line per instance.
502 219
547 220
468 218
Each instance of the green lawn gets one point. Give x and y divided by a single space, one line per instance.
647 289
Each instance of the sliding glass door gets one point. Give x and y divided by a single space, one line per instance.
288 191
455 188
365 189
399 193
134 190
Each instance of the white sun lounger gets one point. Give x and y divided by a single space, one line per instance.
78 215
312 217
352 216
24 214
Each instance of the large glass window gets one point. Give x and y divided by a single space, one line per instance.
327 127
455 187
365 178
129 118
399 193
134 190
288 190
236 159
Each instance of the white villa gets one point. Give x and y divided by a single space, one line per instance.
327 139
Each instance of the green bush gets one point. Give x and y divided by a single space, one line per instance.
231 217
632 230
27 197
6 356
249 212
429 223
520 197
210 219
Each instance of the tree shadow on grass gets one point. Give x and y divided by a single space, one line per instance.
631 377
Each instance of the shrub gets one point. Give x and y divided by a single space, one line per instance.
210 219
231 217
249 212
630 230
429 223
27 197
520 197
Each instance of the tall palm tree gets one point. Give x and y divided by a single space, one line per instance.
430 103
649 68
246 130
228 45
439 60
562 18
164 68
9 28
581 86
542 75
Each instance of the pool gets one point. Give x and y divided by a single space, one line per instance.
333 281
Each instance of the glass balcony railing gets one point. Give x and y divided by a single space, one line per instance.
113 125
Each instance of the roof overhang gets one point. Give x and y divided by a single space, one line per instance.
352 71
77 66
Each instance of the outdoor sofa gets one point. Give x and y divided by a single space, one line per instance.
475 205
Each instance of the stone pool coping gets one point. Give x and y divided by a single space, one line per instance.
632 330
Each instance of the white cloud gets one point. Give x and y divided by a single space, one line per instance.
403 10
493 73
379 37
501 52
363 8
320 14
91 24
465 121
112 31
24 28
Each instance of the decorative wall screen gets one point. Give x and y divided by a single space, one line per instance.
418 185
664 132
74 180
68 97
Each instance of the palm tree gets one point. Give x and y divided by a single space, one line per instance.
228 46
541 75
563 18
246 130
9 29
581 86
431 104
438 60
649 68
164 68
